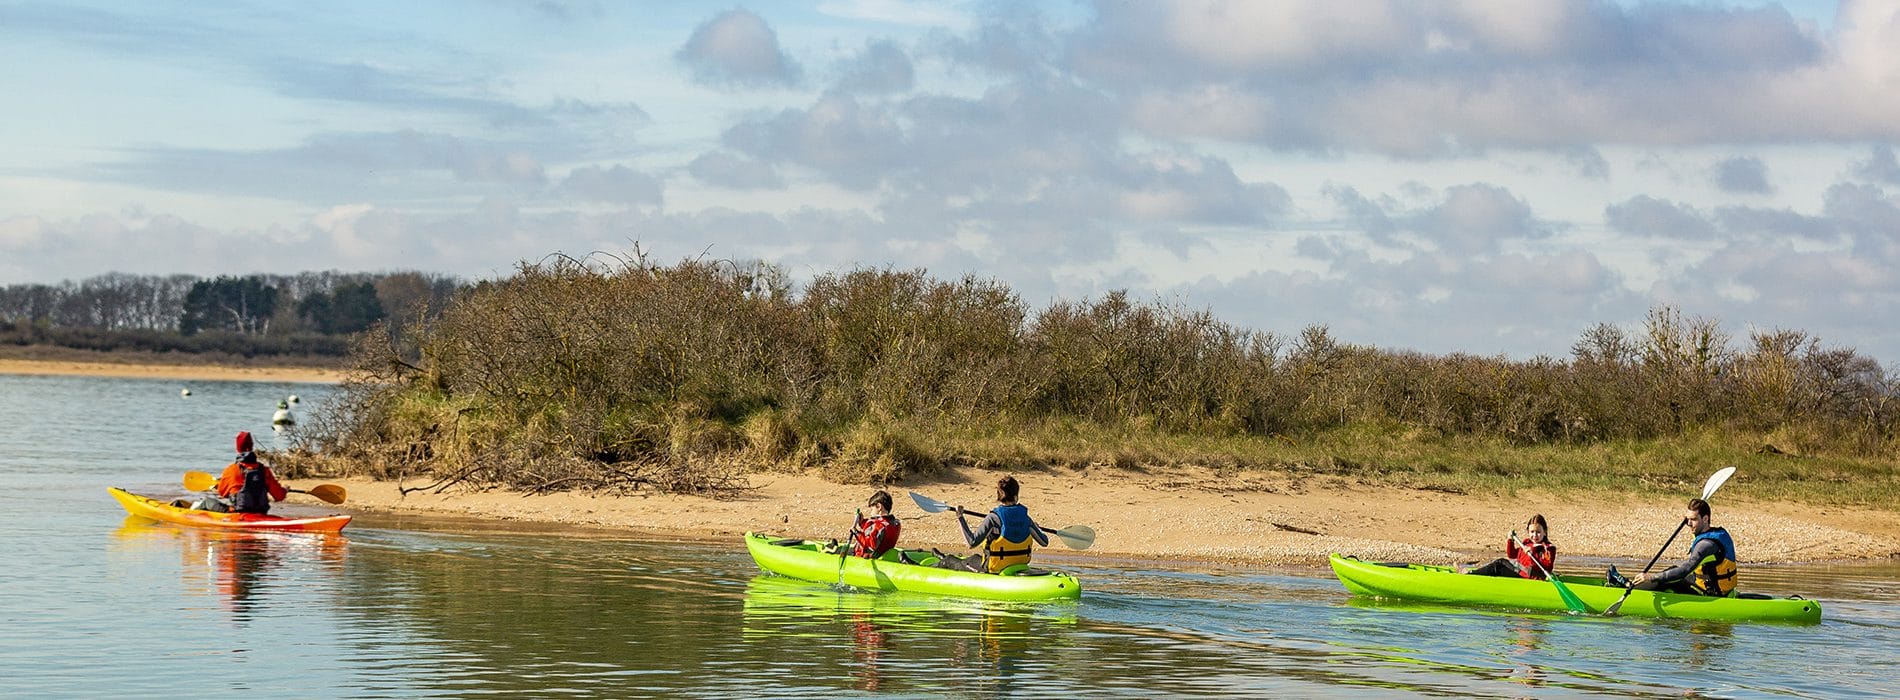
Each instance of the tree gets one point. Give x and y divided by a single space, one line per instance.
351 308
240 304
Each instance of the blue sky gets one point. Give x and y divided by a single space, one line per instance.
1483 177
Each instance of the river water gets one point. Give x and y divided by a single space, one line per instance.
96 605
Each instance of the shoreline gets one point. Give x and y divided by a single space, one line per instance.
138 370
1250 519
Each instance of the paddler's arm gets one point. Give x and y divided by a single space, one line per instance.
1681 571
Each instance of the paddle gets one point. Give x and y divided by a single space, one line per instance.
1075 536
328 493
1570 599
1708 489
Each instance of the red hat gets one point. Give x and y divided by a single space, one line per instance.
244 441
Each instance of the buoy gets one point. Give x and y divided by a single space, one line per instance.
282 416
293 399
184 392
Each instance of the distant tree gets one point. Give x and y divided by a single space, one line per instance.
351 308
240 304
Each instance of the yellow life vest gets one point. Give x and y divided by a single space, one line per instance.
1715 574
1000 554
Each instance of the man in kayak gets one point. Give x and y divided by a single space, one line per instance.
1524 561
1006 532
1709 570
247 486
872 537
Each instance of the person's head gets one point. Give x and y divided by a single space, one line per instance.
244 441
1006 489
1536 529
1697 515
880 501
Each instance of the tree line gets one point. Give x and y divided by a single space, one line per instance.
271 314
610 372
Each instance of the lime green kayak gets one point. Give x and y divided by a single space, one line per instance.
1438 584
802 559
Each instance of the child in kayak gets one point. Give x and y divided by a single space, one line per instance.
872 537
1523 561
1006 533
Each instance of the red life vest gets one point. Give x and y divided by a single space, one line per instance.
875 536
1545 553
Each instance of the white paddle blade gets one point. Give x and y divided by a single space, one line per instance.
1715 482
928 504
1077 536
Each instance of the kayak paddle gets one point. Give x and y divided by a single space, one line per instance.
1570 599
1708 489
1075 536
328 493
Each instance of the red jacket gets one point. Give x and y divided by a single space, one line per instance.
1545 553
874 536
233 480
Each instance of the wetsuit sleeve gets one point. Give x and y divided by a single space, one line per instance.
1681 571
1035 530
990 528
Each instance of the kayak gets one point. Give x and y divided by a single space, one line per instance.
1438 584
166 512
803 559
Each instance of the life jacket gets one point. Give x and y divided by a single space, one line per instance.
1715 574
254 496
1013 546
875 536
1544 552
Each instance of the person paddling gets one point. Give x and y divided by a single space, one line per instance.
1525 561
247 486
1711 567
872 537
1006 533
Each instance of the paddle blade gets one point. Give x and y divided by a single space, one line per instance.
1076 536
199 481
1618 605
928 504
329 493
1570 599
1715 481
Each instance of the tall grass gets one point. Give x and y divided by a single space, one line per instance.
617 372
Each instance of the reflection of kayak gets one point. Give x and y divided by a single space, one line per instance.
1437 584
801 559
166 512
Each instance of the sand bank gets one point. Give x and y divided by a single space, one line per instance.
168 371
1256 519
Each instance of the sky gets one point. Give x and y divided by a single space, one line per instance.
1478 176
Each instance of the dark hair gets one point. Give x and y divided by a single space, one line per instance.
1006 489
1700 506
1538 519
880 498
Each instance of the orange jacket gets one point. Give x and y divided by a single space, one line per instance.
233 480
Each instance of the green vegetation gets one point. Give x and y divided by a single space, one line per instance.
617 373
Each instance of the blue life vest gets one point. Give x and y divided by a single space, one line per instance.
1715 575
1015 519
1014 545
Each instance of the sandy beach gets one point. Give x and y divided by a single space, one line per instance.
208 372
1250 519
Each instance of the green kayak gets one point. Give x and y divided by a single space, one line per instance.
802 559
1438 584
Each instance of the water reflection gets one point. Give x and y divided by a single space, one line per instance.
239 569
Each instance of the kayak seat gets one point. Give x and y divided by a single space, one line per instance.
1758 596
788 542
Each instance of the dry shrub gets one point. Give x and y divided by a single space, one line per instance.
874 453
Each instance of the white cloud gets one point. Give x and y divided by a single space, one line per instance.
738 49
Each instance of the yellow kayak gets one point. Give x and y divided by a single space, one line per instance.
166 512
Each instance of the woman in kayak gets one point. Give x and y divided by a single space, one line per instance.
1006 533
1523 561
247 486
1710 568
872 537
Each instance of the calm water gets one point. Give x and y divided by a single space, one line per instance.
97 606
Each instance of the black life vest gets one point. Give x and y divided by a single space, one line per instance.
254 496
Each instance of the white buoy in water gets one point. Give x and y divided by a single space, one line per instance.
282 416
293 399
184 392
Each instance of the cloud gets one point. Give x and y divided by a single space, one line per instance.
1880 166
1644 216
733 171
881 67
616 185
737 49
1742 175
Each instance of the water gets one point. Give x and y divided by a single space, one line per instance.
98 605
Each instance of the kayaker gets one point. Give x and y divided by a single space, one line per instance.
247 486
1710 569
1523 561
872 537
1006 533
